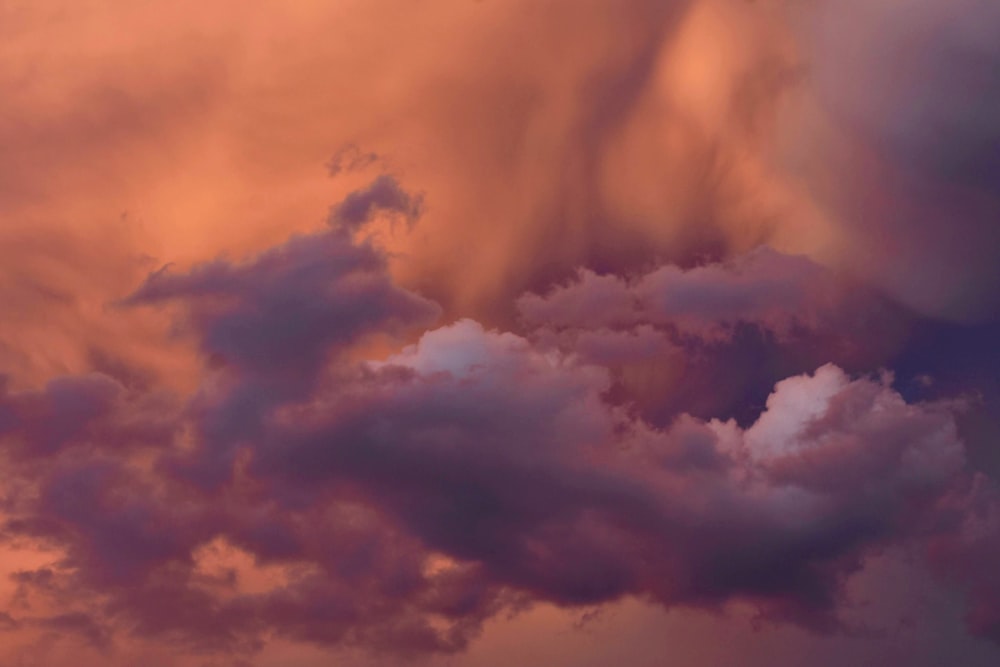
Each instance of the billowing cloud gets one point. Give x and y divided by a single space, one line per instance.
689 304
778 293
729 329
499 455
405 501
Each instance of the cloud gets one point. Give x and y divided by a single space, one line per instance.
507 458
349 158
779 293
471 472
275 321
966 555
88 410
712 339
406 501
671 246
383 195
287 307
911 113
400 503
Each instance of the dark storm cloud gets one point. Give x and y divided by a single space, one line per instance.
407 501
495 455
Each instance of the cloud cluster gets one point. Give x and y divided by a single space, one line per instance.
713 338
634 348
309 493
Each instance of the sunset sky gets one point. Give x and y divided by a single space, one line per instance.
499 333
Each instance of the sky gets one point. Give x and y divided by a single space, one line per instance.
478 333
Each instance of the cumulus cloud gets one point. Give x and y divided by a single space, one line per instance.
777 292
471 473
527 470
400 503
713 338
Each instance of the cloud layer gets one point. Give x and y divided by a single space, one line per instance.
689 304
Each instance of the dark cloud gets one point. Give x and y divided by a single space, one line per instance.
919 94
384 195
967 556
75 623
496 454
779 293
351 158
713 339
472 472
402 503
285 309
87 410
273 322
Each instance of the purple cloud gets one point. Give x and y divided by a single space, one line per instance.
406 501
